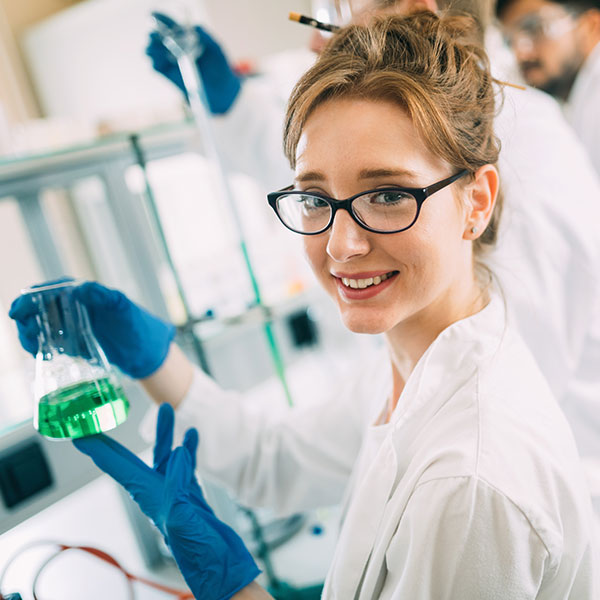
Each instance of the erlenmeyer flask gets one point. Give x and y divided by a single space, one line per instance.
77 392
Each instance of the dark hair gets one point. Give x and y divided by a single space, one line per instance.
576 6
430 66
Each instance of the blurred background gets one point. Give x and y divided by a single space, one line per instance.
104 176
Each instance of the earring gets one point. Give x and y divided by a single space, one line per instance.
474 229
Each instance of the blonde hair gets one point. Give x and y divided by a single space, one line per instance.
433 67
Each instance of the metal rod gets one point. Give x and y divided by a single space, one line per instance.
157 223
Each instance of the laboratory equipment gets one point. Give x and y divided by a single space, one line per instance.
59 548
76 391
187 49
221 83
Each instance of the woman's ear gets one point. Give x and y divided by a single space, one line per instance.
482 194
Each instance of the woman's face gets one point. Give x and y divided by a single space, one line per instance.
349 146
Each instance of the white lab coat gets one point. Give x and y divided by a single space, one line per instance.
473 490
548 253
548 258
583 106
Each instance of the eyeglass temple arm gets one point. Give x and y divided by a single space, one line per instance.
436 187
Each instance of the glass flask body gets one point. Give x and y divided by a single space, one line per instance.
77 392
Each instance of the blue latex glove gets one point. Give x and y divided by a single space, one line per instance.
132 339
221 84
211 556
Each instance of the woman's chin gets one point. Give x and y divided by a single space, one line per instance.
366 326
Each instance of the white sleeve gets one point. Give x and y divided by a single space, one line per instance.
582 398
299 460
250 136
547 252
459 538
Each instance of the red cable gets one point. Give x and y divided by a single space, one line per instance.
179 594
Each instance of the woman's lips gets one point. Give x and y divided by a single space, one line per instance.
368 291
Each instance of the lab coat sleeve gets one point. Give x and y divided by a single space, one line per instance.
460 538
297 461
588 124
582 399
552 292
250 136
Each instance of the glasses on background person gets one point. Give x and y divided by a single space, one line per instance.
382 210
549 23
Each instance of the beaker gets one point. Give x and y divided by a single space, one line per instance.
77 392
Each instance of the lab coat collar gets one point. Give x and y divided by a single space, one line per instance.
458 350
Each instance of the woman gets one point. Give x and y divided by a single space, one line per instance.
458 473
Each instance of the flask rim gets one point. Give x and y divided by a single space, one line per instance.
51 287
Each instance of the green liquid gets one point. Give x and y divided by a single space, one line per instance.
85 408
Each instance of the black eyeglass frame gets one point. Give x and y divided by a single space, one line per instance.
420 195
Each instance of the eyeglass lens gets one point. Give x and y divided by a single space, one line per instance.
538 26
379 210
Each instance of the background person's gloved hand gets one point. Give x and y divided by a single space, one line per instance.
221 84
211 556
134 340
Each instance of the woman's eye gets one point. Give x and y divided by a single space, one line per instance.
388 198
312 202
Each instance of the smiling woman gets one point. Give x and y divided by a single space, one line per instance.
388 116
426 265
448 496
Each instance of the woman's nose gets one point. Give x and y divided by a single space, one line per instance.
347 239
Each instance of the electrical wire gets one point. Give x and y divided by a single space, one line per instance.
96 552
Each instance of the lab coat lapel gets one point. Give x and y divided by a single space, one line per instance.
375 507
363 518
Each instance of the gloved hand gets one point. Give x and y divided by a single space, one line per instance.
132 339
221 84
211 556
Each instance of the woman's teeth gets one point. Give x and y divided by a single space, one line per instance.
364 283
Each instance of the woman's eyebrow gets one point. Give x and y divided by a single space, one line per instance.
310 176
383 172
374 173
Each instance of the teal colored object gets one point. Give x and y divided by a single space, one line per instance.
286 592
81 409
77 393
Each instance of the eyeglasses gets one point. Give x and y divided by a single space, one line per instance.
383 210
536 27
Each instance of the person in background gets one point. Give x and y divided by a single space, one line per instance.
548 253
557 45
457 471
